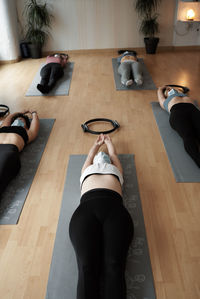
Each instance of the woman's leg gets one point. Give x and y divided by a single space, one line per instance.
45 74
9 164
56 73
118 234
195 117
137 72
85 233
125 71
181 121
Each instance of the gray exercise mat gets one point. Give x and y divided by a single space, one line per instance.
61 88
14 197
184 168
148 82
63 272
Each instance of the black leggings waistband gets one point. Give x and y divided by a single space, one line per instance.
101 193
8 147
54 64
182 106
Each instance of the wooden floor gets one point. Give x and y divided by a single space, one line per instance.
171 210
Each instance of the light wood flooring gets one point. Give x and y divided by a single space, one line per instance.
171 210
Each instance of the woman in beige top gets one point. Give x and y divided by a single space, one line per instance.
101 229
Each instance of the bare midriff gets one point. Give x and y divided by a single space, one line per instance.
128 58
12 138
177 100
107 181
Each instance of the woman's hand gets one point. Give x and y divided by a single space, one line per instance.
110 146
107 139
100 140
28 111
31 113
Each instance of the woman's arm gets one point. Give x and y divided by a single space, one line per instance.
8 120
34 127
112 153
161 97
93 151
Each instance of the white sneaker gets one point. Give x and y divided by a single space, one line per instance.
123 82
129 82
138 81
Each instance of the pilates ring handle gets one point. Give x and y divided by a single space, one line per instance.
4 109
114 123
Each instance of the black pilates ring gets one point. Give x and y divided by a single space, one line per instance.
114 123
4 109
184 88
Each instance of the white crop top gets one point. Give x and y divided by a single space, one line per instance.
102 168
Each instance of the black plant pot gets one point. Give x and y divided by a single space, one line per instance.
151 44
35 50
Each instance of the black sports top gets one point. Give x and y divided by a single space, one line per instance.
17 130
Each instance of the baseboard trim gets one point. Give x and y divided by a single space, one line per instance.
10 61
187 48
139 50
142 50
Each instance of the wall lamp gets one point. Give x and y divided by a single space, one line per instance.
188 11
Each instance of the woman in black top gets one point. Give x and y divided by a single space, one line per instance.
16 131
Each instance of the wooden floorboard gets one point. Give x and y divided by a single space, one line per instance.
171 210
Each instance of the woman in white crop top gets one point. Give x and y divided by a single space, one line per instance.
101 229
98 174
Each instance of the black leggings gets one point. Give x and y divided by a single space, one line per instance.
9 164
101 231
185 119
50 73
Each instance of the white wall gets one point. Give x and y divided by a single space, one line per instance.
98 24
9 46
94 24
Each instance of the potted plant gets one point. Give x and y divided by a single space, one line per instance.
38 22
149 25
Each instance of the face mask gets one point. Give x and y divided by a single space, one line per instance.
101 157
171 92
18 122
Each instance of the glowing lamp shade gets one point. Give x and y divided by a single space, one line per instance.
188 11
190 14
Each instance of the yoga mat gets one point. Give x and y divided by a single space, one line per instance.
63 272
184 168
148 83
62 85
13 198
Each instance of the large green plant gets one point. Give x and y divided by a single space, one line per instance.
147 12
38 22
